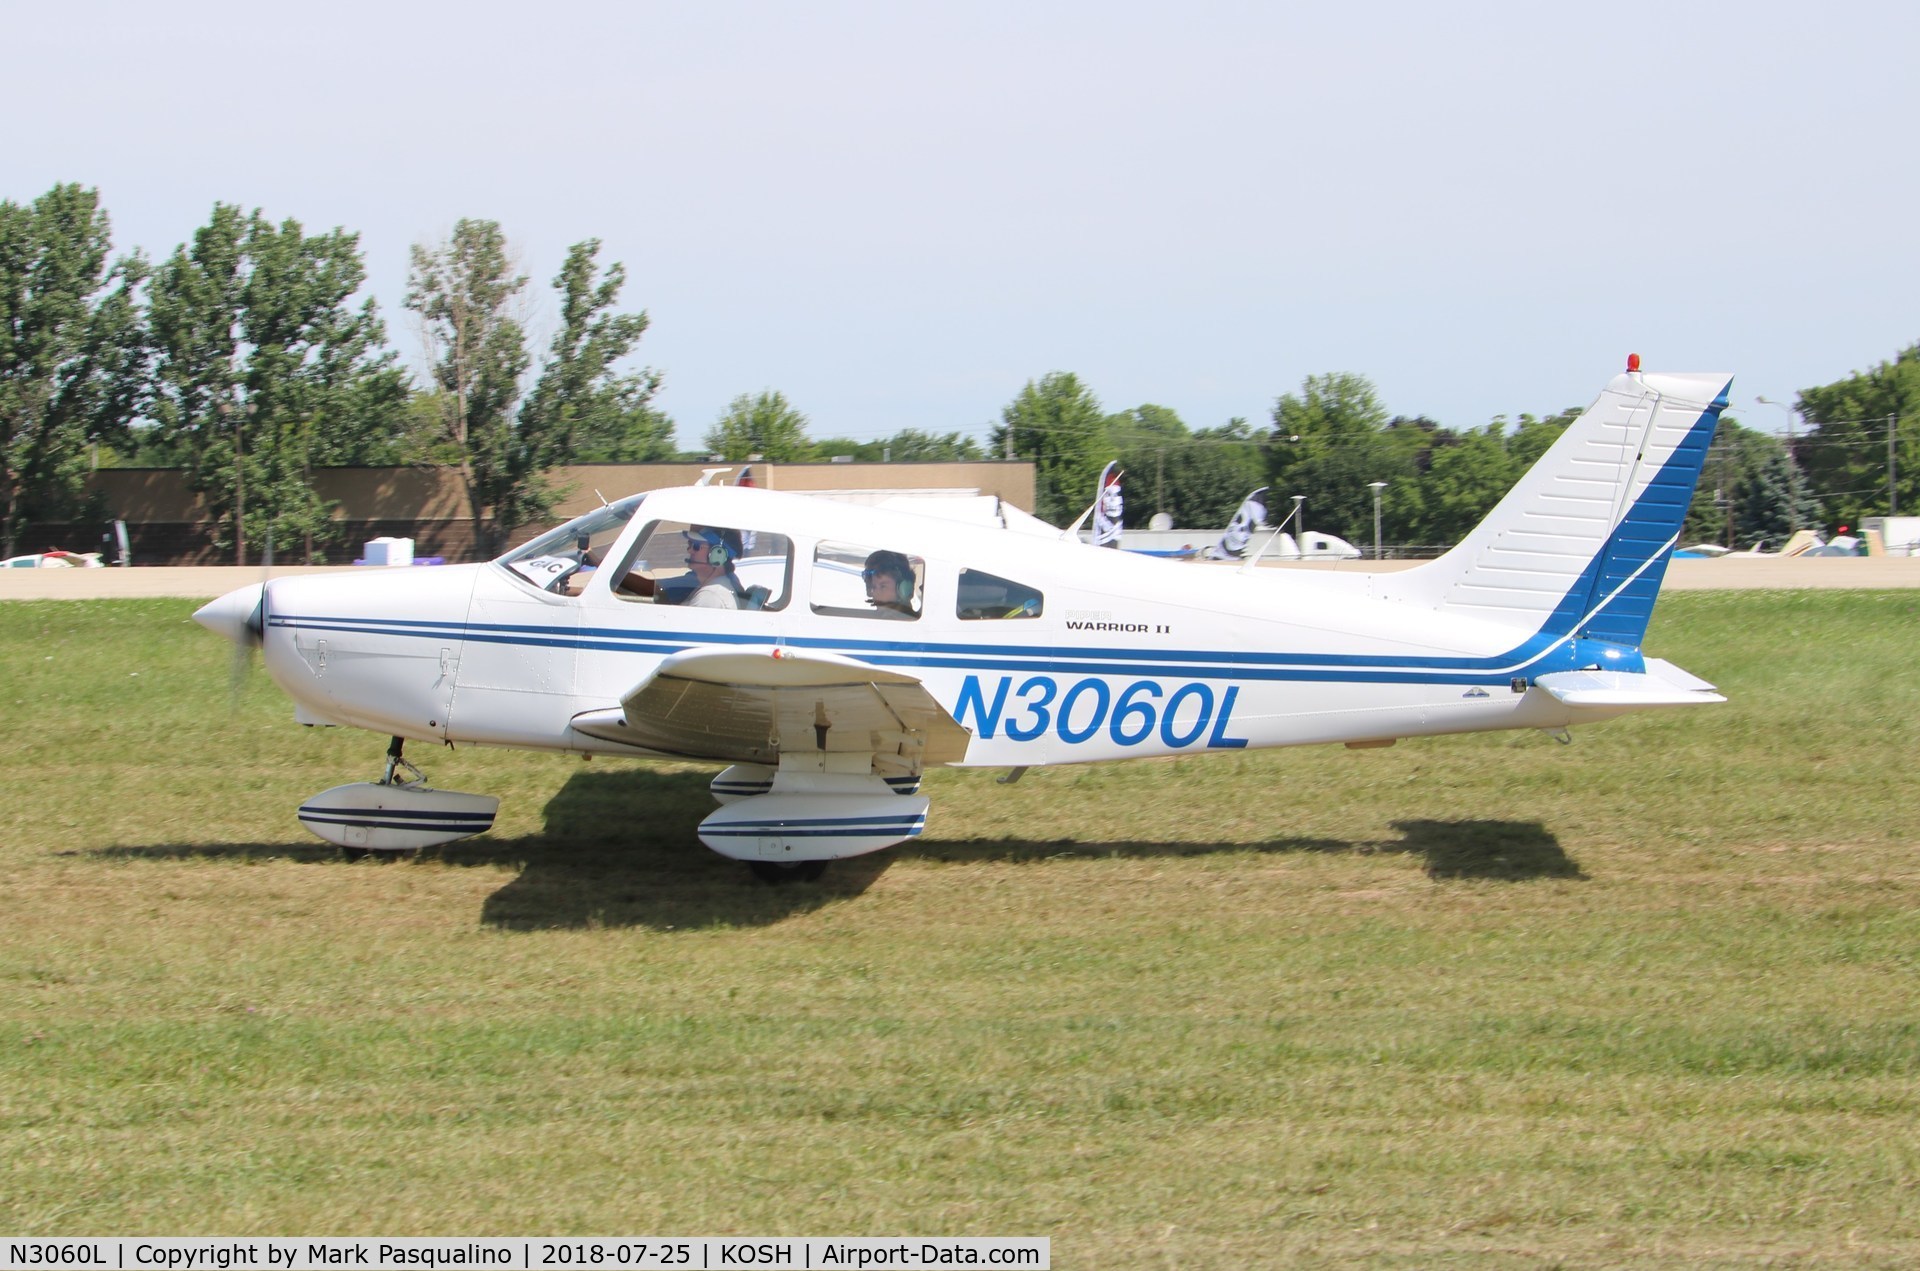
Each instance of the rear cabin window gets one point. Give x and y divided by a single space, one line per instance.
707 567
853 580
985 596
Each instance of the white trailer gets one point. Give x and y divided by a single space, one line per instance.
1900 534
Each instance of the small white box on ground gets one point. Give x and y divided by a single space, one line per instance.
390 551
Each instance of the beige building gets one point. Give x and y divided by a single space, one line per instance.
167 523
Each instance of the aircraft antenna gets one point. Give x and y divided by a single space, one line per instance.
1073 530
1254 559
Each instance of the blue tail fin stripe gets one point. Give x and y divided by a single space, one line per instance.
1612 599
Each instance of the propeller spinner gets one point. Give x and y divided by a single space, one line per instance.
240 615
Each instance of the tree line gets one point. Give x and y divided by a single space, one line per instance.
247 360
1854 453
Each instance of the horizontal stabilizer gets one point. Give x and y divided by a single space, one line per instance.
1662 684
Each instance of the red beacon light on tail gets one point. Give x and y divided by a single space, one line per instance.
1633 363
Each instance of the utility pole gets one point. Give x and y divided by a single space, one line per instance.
1893 491
1724 495
1376 487
306 477
238 420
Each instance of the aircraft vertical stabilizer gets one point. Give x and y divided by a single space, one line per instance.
1581 544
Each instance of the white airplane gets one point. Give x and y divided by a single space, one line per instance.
830 654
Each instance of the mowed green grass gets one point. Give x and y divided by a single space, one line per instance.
1649 999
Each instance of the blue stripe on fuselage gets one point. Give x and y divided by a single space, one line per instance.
1536 655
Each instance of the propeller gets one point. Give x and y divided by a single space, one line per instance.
241 617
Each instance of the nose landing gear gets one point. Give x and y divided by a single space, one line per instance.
397 815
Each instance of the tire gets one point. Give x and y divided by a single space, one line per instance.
776 873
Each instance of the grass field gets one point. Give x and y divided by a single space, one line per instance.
1652 999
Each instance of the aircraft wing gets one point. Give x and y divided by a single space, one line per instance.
749 704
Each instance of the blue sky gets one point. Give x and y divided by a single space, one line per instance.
898 214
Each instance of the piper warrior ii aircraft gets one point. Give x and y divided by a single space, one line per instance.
830 654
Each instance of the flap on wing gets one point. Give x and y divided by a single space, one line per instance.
1662 684
750 704
770 666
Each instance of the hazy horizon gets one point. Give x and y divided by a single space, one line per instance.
897 216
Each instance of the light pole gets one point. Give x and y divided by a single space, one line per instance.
239 423
1376 487
1793 464
1299 526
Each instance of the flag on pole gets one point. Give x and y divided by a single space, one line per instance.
1107 507
1239 533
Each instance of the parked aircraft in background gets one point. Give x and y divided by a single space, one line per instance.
828 654
55 559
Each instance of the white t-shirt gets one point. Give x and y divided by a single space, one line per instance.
721 593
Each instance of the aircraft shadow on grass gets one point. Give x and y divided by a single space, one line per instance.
1511 851
618 850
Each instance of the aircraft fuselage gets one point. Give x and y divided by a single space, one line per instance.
1127 657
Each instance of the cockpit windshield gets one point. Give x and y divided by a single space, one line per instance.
549 561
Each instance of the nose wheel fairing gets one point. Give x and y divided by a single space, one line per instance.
376 817
398 813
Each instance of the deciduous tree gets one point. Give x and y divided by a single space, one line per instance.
764 424
265 370
1329 441
1845 454
1056 422
910 445
584 410
72 352
1197 477
1143 440
466 294
1465 475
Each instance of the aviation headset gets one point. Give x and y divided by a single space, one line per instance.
722 545
897 567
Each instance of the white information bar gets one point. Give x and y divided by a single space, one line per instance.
521 1253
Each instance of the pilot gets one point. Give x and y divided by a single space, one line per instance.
710 557
576 582
889 579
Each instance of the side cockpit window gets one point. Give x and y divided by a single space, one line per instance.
862 581
707 567
985 596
